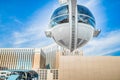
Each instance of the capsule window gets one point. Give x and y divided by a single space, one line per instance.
60 20
60 11
84 10
86 20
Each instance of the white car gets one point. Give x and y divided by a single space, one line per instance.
4 74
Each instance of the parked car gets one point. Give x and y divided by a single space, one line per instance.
4 74
26 75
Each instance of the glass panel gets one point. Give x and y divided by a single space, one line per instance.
60 11
84 10
86 19
91 22
59 20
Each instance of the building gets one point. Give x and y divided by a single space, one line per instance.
50 52
66 53
48 74
39 59
89 68
63 65
21 58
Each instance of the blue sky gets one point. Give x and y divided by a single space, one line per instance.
23 22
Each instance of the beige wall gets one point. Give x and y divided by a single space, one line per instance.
39 60
16 58
36 63
20 58
48 74
57 60
89 68
42 62
8 61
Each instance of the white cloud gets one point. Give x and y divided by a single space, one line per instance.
98 11
15 19
32 35
107 44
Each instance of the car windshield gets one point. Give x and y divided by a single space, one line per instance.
3 73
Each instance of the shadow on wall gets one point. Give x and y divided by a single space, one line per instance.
3 68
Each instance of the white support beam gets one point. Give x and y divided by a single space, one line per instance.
73 23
